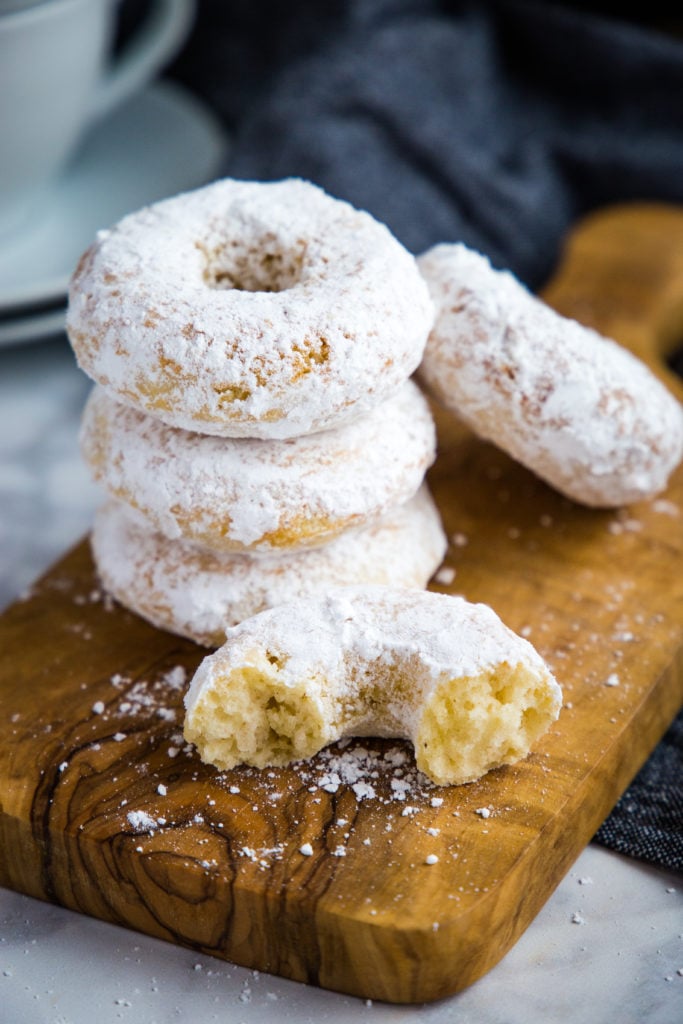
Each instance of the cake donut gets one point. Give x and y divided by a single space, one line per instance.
578 409
249 309
373 661
198 593
241 493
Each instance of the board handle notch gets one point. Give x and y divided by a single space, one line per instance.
621 273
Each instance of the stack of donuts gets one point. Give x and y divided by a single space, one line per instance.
253 424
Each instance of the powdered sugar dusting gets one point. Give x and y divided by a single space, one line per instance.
237 493
198 593
249 309
579 410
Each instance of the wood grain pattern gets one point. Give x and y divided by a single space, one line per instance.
88 735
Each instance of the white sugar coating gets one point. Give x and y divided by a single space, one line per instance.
198 593
247 309
576 408
242 493
373 661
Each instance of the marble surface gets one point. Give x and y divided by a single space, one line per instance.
607 947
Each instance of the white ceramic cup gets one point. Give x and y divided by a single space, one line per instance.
56 79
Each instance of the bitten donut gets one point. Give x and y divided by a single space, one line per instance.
198 593
239 493
248 309
373 661
576 408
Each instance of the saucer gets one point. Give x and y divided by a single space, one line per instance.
32 326
161 142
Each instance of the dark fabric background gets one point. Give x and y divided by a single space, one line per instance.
496 123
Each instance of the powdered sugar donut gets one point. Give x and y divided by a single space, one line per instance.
198 593
246 309
241 493
373 661
579 410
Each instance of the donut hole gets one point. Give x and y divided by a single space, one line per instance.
249 716
264 264
473 724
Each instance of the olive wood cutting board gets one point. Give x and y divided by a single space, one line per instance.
104 810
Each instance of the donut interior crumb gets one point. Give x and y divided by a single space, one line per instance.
471 725
465 726
250 716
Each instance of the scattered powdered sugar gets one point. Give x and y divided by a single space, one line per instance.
624 525
167 714
264 856
143 696
665 507
141 821
95 596
330 782
175 678
388 776
363 790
